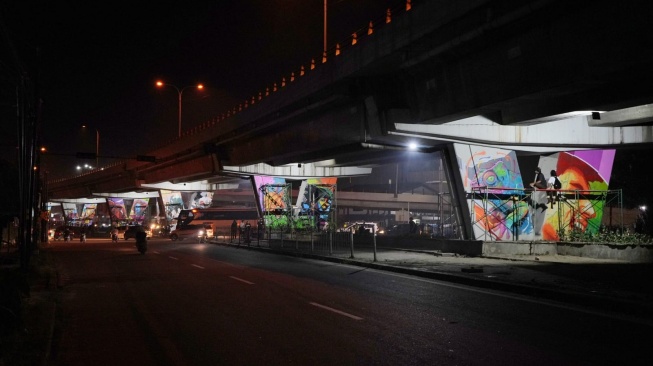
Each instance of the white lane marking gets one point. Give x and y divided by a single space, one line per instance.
195 265
241 280
336 311
173 258
225 263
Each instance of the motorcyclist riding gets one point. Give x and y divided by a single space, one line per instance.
141 241
114 235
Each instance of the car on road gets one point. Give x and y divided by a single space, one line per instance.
131 231
200 232
362 227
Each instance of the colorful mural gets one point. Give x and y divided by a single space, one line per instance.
117 209
88 212
314 202
272 193
200 199
497 200
487 167
584 175
138 210
173 204
501 209
70 211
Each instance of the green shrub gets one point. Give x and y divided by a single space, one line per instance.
605 236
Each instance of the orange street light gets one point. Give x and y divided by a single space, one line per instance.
161 84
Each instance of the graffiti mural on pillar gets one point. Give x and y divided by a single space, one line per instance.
173 204
117 209
584 176
138 210
495 189
272 194
501 209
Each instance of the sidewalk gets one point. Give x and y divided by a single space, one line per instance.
611 285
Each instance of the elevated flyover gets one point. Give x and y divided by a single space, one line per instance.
533 76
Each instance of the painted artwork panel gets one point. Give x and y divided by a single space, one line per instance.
70 211
138 210
584 176
271 191
200 199
314 201
497 201
173 203
495 169
88 212
117 209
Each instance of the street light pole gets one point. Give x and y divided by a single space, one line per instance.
180 92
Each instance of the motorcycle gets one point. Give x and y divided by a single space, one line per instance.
82 238
141 242
114 237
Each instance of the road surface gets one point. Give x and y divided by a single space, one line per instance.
185 303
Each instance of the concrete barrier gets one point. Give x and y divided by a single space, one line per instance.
630 253
518 248
472 248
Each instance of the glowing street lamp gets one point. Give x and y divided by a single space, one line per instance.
161 84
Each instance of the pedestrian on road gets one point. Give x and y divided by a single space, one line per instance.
234 230
412 226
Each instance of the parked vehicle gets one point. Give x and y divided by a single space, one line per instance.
362 228
132 230
220 218
398 229
200 232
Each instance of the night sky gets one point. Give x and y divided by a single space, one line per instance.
95 63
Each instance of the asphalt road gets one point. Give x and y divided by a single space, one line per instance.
201 304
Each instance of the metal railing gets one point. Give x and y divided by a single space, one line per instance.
505 209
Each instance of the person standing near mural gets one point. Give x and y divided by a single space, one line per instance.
539 184
553 184
540 181
538 201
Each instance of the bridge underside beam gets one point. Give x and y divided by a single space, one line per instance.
560 135
623 117
79 200
196 186
297 171
148 194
